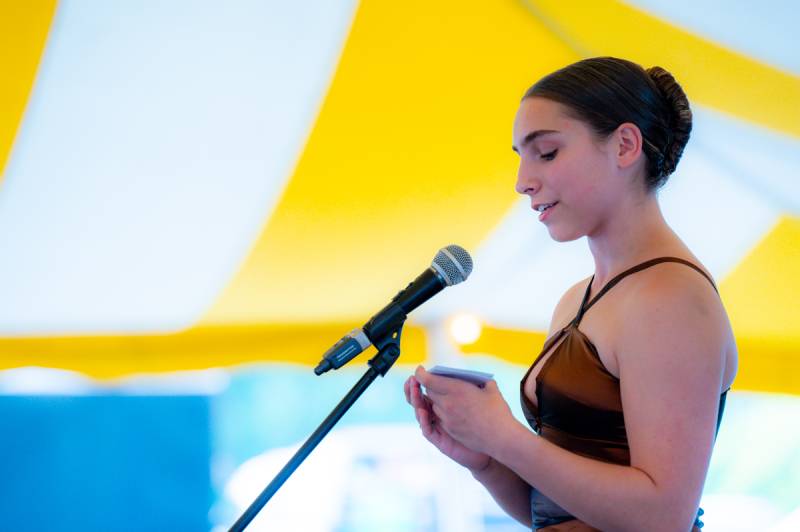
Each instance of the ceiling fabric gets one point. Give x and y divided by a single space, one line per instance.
191 185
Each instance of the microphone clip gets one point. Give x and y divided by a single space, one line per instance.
384 330
388 350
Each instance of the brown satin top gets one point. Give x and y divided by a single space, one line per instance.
579 402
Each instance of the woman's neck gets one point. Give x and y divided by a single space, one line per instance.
635 233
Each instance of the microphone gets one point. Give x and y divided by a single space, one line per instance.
451 265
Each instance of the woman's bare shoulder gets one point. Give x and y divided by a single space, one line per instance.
672 286
675 304
567 306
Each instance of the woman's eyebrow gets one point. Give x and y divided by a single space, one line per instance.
530 137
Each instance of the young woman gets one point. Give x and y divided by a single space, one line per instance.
627 394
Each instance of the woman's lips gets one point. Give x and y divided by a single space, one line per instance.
545 214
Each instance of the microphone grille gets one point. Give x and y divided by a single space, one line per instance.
453 263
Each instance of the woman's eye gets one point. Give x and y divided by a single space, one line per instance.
549 156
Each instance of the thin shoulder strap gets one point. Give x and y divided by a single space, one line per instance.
577 319
621 276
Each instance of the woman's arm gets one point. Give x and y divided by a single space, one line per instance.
508 490
606 496
671 358
505 486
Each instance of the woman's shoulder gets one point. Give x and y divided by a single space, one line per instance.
567 306
671 285
673 301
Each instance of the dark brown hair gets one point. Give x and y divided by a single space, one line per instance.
605 92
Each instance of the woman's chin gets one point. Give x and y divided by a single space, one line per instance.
561 235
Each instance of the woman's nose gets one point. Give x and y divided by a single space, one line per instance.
526 183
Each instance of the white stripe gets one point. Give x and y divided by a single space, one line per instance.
158 137
766 31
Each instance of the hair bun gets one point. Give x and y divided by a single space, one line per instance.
604 92
678 121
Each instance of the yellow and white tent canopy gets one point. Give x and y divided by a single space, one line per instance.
188 184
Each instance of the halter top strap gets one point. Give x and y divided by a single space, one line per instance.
639 267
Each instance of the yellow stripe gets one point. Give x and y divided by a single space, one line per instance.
762 295
203 347
23 32
765 364
517 346
710 74
768 365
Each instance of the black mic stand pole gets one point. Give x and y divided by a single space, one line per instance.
389 351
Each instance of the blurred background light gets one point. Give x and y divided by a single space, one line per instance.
465 328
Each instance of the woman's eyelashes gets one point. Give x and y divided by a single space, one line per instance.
549 156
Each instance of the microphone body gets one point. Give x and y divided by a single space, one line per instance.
451 266
425 286
421 289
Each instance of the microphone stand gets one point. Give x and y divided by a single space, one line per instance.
388 353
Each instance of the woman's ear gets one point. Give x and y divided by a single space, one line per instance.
627 141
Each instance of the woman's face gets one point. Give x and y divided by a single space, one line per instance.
563 165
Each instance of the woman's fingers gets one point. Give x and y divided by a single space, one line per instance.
436 410
417 398
424 422
428 401
433 383
423 402
411 389
423 409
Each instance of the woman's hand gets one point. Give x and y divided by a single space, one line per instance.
476 417
435 433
